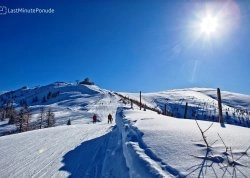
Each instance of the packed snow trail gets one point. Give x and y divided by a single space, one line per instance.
97 158
101 155
22 157
107 104
82 150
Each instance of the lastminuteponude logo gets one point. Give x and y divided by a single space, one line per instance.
5 10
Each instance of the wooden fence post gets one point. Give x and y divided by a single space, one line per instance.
185 113
140 100
219 106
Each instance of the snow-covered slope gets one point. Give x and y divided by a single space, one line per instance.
140 144
67 101
79 102
202 104
167 146
237 100
78 150
137 144
75 151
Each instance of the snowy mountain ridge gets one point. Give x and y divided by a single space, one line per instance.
201 104
72 101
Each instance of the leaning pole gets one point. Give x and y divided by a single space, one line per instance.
140 100
219 106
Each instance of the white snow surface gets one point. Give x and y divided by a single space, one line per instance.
194 96
138 144
175 146
202 104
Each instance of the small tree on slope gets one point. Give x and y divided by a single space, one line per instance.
50 118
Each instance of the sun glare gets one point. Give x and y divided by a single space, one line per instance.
209 25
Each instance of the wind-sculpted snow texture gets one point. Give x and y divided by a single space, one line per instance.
173 147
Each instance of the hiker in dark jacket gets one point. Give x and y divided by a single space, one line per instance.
94 118
110 119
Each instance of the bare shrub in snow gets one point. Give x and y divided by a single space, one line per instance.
50 118
23 119
226 160
42 117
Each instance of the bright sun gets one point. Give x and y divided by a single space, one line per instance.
209 25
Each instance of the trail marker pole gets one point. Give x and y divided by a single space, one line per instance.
185 113
140 100
219 106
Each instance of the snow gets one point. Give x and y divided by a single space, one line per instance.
75 102
232 99
202 104
78 150
174 144
55 152
137 144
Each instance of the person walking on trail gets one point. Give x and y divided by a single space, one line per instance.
110 119
94 118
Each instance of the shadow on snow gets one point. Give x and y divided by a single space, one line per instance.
99 157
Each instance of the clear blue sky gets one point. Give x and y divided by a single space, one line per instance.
126 45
